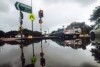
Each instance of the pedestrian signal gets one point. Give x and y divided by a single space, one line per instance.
32 17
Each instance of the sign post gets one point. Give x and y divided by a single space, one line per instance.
25 8
21 22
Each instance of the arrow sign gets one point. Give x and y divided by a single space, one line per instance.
32 17
23 7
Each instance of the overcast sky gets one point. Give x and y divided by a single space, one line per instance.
56 13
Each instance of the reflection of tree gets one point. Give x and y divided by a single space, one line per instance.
85 42
96 52
59 41
25 42
1 43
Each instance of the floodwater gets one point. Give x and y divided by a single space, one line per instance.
57 53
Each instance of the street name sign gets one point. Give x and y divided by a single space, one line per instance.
23 7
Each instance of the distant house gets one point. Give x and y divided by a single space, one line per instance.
19 36
74 30
30 36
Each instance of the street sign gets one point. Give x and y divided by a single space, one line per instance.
33 60
23 7
32 17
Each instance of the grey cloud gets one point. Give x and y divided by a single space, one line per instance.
4 6
87 65
82 2
6 65
11 1
85 2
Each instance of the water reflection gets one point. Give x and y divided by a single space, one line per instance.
74 43
24 42
51 56
22 55
96 51
34 58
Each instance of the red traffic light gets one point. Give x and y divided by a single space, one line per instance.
40 13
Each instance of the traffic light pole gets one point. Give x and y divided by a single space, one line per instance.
41 28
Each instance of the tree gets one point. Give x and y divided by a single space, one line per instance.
96 14
2 34
27 32
81 25
11 34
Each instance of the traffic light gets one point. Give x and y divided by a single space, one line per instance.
40 13
40 21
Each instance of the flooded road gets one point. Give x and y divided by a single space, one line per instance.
57 53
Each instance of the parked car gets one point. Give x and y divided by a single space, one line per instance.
95 33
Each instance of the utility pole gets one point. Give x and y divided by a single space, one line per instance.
33 59
32 27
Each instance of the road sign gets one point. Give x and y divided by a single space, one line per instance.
23 7
32 17
33 60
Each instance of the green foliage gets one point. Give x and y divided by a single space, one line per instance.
85 28
25 32
96 14
11 34
2 34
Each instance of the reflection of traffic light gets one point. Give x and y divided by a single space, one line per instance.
42 61
41 54
40 13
